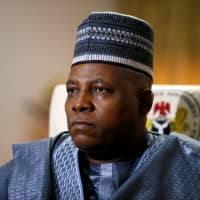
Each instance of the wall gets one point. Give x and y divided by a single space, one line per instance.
177 37
36 46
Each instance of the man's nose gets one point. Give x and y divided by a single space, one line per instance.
83 103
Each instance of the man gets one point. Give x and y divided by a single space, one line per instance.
107 153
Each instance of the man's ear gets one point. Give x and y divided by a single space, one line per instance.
145 100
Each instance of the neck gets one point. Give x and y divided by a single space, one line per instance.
95 161
115 154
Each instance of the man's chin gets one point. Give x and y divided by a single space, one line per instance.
93 147
96 151
89 146
85 140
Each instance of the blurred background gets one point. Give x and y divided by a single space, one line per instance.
36 47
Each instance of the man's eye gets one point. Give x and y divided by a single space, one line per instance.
100 90
72 90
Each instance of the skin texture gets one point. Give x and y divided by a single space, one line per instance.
106 110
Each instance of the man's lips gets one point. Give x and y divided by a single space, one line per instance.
81 124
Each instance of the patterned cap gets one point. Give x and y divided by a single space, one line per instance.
122 40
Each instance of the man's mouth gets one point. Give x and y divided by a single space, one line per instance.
81 124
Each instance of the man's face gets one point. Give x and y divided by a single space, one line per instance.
102 107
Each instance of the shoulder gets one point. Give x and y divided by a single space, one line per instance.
183 141
180 145
186 157
33 155
25 153
190 147
177 151
177 143
32 149
187 142
24 158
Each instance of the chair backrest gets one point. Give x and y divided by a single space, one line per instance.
57 116
175 108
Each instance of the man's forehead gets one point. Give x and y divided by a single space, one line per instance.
97 69
102 69
96 72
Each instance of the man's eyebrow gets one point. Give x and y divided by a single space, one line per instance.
93 81
98 80
70 81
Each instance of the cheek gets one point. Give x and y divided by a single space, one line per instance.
123 112
68 109
112 112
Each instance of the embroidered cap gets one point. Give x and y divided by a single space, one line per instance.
109 37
